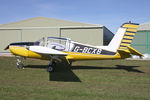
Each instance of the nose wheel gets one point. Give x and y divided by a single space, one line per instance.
19 63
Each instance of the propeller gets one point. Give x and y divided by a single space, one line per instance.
6 48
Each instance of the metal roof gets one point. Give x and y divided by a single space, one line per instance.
45 22
144 27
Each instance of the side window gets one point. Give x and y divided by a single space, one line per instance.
60 44
56 46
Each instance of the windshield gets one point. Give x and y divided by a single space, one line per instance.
41 41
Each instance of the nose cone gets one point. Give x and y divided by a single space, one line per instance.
18 51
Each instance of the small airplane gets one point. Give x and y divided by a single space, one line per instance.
57 49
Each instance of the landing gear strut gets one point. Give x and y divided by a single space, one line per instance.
19 63
51 66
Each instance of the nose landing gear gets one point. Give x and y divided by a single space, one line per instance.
19 63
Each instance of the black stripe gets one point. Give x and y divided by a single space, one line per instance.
130 32
129 35
126 39
126 42
122 46
104 52
25 43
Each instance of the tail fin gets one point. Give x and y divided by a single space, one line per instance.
131 29
123 37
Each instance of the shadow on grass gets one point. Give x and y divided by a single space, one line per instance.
36 66
118 67
63 72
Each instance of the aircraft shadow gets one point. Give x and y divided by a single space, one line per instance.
36 66
64 72
118 67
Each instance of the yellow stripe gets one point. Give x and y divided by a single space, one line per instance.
123 48
130 26
129 33
132 30
124 44
84 56
128 37
126 41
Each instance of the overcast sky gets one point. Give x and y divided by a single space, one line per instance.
111 13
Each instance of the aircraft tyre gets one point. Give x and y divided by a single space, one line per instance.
51 68
19 63
20 66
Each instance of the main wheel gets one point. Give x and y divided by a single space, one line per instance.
50 69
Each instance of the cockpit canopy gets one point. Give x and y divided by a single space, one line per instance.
61 44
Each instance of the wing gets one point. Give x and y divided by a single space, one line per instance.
46 50
130 51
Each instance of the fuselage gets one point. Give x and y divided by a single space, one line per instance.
73 50
23 52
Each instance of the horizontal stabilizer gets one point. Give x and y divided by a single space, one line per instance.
130 50
133 51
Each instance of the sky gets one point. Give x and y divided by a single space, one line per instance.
110 13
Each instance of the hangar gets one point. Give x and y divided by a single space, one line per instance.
141 41
35 28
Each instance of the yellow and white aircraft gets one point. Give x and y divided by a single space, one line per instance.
59 49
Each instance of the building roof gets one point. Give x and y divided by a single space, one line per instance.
44 22
144 27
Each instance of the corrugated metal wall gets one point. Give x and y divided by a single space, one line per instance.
35 34
7 37
141 42
92 36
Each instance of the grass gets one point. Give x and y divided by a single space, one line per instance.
86 80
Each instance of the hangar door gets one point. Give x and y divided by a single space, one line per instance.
86 36
141 42
7 37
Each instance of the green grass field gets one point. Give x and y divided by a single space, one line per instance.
86 80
